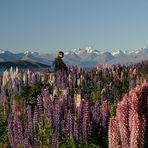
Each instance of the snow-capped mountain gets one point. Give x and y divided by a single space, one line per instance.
7 55
91 57
2 51
31 53
119 53
143 50
86 57
87 50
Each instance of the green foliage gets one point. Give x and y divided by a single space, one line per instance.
44 134
107 79
113 109
59 92
72 91
30 93
93 93
46 85
146 136
144 73
23 119
125 87
71 143
18 97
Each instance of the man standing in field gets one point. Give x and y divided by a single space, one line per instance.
58 62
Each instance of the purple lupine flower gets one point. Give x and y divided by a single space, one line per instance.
105 114
36 116
45 92
70 122
79 118
70 103
30 123
95 117
40 104
85 121
74 80
17 131
26 139
76 134
10 131
54 139
47 104
20 132
56 116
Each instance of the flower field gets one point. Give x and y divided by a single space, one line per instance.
106 106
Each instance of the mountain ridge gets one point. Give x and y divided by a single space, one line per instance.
22 64
81 56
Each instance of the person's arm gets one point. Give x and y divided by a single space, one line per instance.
56 64
64 66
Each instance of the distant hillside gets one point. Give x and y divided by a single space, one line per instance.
22 64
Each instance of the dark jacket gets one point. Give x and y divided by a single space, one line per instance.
59 64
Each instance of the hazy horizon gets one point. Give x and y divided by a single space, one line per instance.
48 26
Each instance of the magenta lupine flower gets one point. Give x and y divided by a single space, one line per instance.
122 119
136 118
137 132
113 134
130 119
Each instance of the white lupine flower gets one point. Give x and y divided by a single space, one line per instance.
42 78
78 82
17 70
82 78
50 76
52 79
77 100
5 78
29 74
11 70
33 80
69 77
25 78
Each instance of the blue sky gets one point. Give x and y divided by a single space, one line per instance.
51 25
